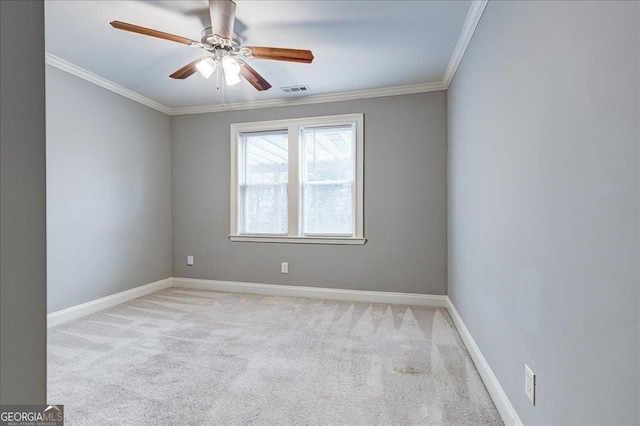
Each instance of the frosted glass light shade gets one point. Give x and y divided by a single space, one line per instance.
206 67
231 70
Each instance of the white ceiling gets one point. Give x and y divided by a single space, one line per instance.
358 45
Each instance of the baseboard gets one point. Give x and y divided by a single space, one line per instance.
499 397
78 311
313 292
74 312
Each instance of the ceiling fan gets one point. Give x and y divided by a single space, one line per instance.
223 47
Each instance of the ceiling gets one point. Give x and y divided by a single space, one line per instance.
358 45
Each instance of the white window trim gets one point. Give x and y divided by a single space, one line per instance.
294 232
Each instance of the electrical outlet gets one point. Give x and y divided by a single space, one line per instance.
189 260
284 267
530 384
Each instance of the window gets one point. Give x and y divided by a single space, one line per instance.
298 181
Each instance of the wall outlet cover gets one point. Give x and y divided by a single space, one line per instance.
190 260
284 267
530 384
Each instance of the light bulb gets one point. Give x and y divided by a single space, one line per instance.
231 70
206 67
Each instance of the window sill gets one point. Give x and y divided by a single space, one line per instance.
299 240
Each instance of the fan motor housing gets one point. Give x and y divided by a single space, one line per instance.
212 41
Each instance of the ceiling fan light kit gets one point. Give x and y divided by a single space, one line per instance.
225 48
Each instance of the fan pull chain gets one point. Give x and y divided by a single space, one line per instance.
223 93
217 76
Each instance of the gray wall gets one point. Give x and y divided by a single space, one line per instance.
108 192
23 291
405 202
544 205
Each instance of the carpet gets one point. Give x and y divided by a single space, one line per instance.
182 356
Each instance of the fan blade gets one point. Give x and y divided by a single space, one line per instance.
153 33
186 71
223 16
278 54
252 76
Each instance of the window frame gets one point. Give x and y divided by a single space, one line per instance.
294 206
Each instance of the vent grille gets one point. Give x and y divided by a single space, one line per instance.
295 89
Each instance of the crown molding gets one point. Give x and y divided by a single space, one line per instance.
313 99
82 73
470 24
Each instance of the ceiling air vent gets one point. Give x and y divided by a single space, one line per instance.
295 89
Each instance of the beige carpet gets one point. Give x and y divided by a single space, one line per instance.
196 357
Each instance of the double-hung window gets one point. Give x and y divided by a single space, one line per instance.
298 181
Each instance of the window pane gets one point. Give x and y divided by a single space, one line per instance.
328 180
329 153
264 188
328 209
265 209
266 157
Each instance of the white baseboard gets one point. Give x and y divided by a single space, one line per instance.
499 397
313 292
74 312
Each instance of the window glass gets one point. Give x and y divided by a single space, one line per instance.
263 191
328 199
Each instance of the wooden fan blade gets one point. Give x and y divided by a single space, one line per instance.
149 32
223 17
278 54
252 76
186 71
